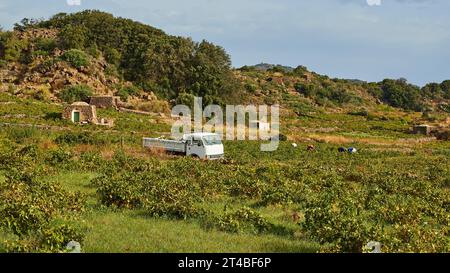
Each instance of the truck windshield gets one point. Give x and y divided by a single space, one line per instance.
212 140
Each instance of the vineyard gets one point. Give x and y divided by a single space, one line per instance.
359 163
291 200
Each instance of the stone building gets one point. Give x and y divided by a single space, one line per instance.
80 112
105 101
422 129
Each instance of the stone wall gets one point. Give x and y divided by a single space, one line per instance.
105 101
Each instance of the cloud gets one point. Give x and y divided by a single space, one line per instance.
348 38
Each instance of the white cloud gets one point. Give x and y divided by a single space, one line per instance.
374 2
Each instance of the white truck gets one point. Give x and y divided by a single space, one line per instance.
202 145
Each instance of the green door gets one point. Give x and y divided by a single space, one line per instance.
76 116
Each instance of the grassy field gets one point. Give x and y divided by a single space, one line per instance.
116 230
100 186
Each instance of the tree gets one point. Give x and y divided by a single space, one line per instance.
112 56
432 91
11 47
300 70
445 86
399 93
26 23
73 37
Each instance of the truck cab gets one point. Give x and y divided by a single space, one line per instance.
204 145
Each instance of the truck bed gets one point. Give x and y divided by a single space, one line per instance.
168 145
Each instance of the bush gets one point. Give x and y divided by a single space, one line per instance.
251 88
13 47
242 220
122 190
45 44
21 134
3 63
82 138
76 58
171 197
127 91
73 36
75 93
37 213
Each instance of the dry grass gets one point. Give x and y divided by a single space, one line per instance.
83 148
48 144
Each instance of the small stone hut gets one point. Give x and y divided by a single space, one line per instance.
422 129
105 101
80 112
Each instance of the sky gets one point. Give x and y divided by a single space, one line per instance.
354 39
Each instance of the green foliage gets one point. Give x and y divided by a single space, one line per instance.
3 63
241 220
149 57
445 86
156 194
171 197
432 91
73 138
46 44
300 70
251 88
322 94
126 91
21 134
11 47
76 58
36 212
387 210
399 93
73 37
75 93
112 56
26 23
93 51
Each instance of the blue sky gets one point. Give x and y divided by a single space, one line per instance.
340 38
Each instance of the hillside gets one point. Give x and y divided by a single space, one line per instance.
109 55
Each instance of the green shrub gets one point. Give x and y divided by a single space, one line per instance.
251 88
77 58
58 157
21 134
127 91
112 56
36 213
13 47
242 220
73 36
173 198
3 63
122 191
75 93
46 44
